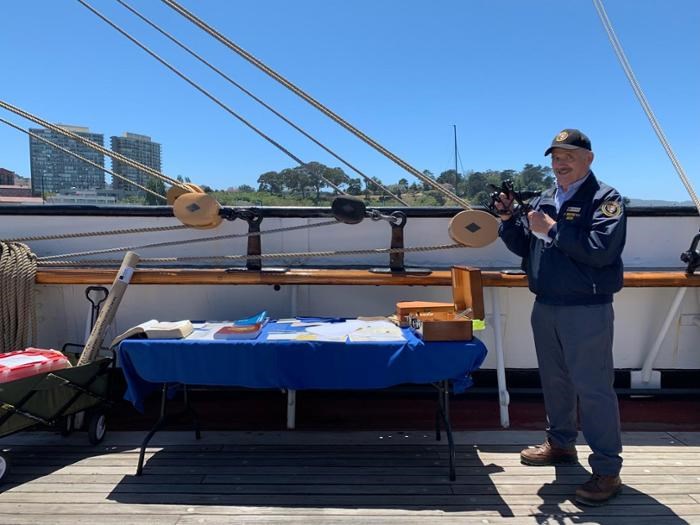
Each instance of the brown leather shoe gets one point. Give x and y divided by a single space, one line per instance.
598 490
547 454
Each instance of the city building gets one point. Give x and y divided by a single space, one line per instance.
15 189
54 171
7 177
83 197
139 148
18 195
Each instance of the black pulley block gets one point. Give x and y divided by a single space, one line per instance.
348 210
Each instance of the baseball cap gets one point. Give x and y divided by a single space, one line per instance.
570 139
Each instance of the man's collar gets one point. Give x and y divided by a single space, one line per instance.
574 185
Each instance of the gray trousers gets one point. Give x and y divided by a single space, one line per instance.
574 353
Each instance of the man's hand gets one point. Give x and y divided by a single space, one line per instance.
540 222
504 206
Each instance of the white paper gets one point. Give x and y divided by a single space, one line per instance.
336 330
281 336
19 360
206 331
377 331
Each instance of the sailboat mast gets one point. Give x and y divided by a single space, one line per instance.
454 127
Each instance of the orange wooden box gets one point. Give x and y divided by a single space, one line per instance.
447 321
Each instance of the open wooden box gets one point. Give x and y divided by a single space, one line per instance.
447 321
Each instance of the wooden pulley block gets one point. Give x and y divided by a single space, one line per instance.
473 228
197 210
175 191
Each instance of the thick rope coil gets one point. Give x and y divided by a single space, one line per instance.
17 307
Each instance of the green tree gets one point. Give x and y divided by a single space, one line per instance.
450 177
299 180
354 186
430 175
475 184
272 182
534 178
157 186
321 175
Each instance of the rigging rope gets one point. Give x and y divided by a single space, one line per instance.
259 100
80 157
298 255
188 241
93 145
627 68
98 234
208 95
17 308
326 111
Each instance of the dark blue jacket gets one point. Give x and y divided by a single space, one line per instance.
583 263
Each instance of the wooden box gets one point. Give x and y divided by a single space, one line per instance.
467 291
406 309
448 321
441 326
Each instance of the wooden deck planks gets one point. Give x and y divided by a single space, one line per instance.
344 478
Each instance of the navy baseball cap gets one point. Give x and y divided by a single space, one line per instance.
570 139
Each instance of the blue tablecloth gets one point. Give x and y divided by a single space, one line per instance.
297 365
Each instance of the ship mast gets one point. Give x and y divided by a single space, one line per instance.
454 128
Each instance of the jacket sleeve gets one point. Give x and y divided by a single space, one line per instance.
515 236
600 244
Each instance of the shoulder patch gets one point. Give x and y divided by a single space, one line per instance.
611 208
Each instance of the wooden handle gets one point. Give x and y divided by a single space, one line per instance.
109 309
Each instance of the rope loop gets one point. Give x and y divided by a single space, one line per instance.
17 307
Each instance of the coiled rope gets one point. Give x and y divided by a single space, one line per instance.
17 308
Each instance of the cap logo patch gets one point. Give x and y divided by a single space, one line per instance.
562 136
610 209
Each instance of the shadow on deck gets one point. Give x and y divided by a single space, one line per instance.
335 477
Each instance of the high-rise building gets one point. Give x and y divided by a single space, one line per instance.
139 148
54 171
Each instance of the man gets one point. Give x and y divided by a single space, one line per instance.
571 243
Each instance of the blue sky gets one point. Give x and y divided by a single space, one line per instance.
509 74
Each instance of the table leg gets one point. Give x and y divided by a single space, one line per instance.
443 413
161 422
156 427
291 409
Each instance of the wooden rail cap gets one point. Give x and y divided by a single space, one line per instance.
311 276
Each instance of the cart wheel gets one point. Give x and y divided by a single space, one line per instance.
97 427
66 425
4 466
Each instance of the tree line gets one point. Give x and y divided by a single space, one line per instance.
474 186
315 184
